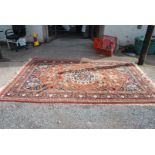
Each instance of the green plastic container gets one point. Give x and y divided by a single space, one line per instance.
139 44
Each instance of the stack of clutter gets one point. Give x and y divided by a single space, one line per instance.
105 45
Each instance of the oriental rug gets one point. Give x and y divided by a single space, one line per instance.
66 81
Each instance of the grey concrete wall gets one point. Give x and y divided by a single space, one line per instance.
4 27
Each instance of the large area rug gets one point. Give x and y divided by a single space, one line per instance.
65 81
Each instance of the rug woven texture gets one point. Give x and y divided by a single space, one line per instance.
66 81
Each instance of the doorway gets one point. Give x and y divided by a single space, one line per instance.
73 31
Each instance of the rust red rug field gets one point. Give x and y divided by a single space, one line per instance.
55 81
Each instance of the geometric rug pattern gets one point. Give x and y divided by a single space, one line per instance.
68 81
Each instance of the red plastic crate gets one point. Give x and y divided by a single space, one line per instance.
105 45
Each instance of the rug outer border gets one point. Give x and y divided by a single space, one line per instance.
25 65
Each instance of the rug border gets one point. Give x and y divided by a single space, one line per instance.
3 88
145 75
22 69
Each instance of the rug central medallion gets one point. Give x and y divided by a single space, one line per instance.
84 77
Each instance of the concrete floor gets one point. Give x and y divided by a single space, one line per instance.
26 115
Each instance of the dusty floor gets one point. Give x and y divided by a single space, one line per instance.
26 115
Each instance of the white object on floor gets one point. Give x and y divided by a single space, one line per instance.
21 42
131 54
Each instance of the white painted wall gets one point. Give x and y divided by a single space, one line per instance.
125 34
29 31
4 27
34 28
